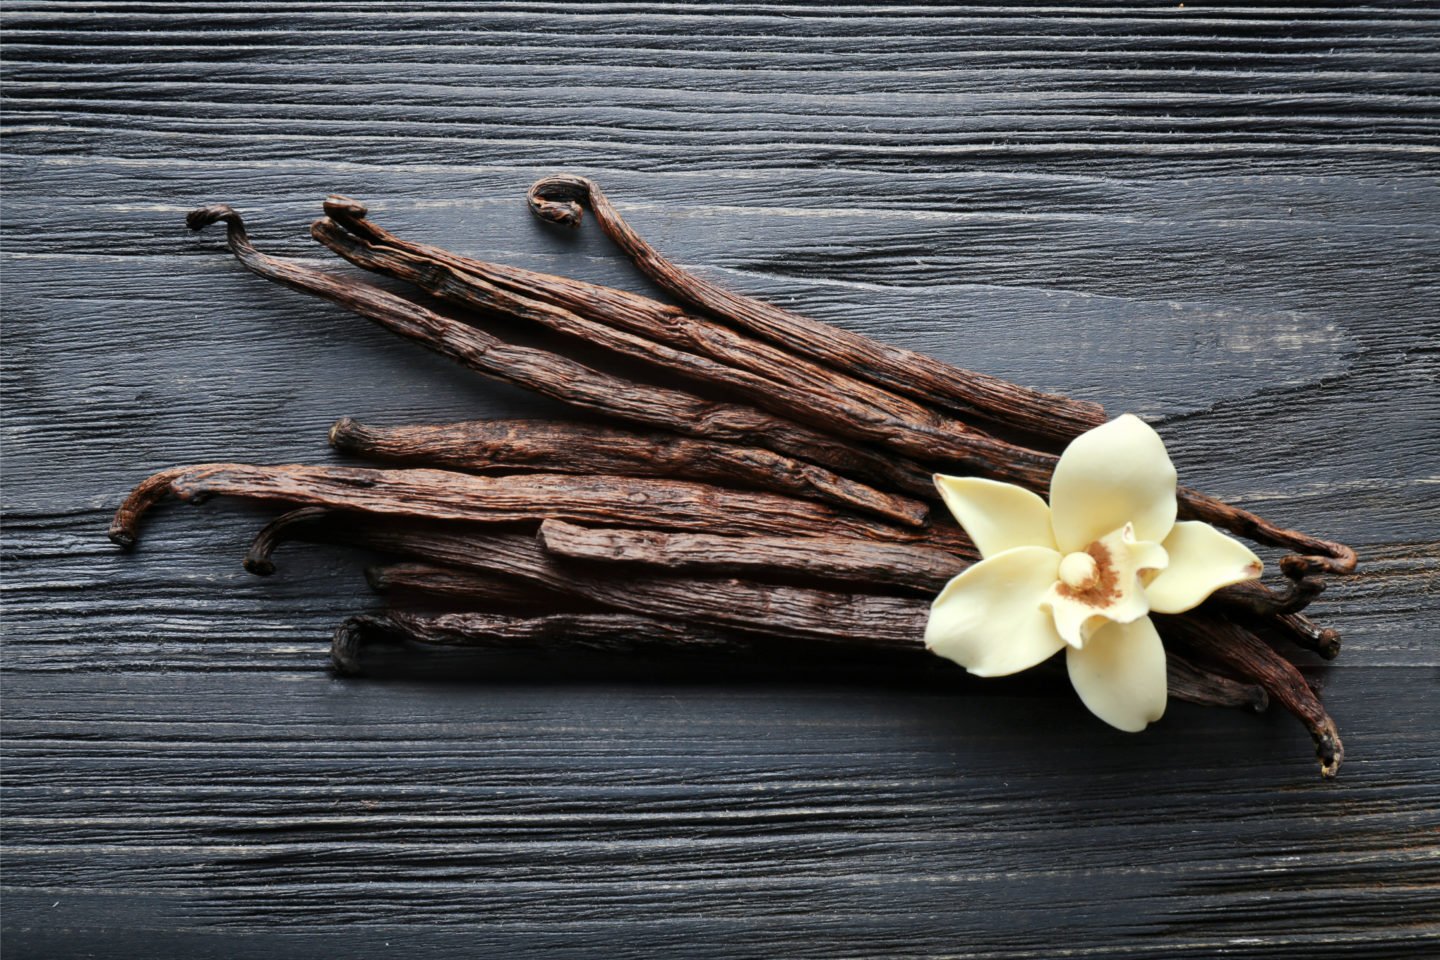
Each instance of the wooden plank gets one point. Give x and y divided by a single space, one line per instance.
717 818
1224 219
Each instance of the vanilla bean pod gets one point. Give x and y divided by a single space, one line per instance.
559 198
486 445
604 632
447 495
914 432
566 380
1242 654
765 610
1185 680
909 567
628 633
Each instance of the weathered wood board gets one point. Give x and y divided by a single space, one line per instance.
1224 218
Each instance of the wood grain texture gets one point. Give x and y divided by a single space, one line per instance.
1224 218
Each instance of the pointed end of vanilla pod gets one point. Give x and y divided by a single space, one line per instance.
1329 749
341 432
338 205
1327 644
259 566
345 647
377 579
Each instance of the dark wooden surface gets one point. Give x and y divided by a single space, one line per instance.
1225 218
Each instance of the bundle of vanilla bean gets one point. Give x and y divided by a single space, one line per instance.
782 491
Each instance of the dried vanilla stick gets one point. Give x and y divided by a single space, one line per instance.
766 610
551 447
911 568
448 495
973 395
906 567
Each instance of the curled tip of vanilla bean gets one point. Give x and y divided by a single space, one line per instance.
345 646
237 236
125 527
1341 560
558 198
349 214
1280 610
1329 748
258 559
202 217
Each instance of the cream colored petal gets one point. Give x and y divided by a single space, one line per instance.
1075 622
997 516
1120 674
1202 560
1117 473
988 619
1123 565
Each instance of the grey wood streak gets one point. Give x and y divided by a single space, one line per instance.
1226 219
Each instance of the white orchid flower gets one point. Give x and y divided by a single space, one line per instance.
1083 573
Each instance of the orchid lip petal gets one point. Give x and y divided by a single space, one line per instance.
1116 591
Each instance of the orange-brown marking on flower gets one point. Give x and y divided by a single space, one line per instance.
1105 589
